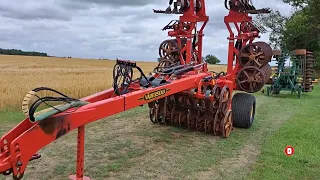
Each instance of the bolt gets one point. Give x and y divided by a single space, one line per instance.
19 163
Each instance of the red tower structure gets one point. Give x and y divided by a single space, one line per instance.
186 47
247 60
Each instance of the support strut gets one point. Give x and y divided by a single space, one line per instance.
80 156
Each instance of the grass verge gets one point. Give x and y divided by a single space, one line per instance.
301 132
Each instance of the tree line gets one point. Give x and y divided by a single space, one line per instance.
21 53
210 59
299 30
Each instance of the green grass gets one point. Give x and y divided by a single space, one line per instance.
11 117
302 132
129 146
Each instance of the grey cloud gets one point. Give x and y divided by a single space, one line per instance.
131 29
104 29
74 5
114 3
33 11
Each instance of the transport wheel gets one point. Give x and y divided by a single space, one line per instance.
243 110
268 91
299 92
293 90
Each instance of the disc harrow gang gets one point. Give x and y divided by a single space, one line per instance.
210 114
308 73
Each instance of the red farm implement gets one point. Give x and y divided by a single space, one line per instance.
180 92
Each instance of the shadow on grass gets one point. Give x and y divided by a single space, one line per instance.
287 95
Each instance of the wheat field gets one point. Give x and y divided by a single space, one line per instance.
76 78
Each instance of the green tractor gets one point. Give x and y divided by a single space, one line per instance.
288 79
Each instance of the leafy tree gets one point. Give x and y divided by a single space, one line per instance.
211 59
300 30
276 23
21 53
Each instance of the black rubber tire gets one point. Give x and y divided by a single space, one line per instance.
242 104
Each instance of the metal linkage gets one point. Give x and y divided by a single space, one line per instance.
123 81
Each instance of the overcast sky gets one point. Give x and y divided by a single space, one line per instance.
124 29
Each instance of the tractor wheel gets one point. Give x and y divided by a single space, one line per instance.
299 92
268 91
293 90
243 109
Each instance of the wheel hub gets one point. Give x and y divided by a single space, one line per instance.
250 79
252 57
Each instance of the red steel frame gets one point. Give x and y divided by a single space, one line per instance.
192 18
236 18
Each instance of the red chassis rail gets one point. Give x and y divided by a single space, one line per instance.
22 142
